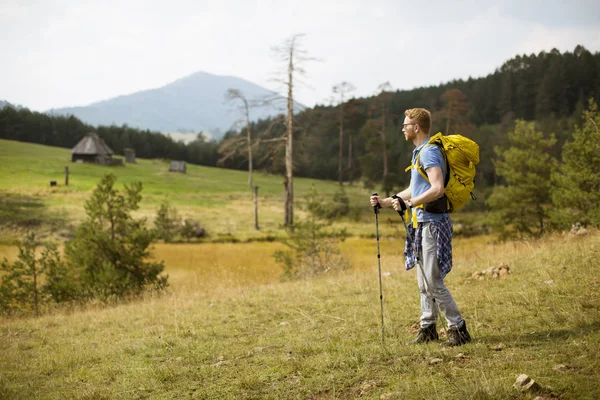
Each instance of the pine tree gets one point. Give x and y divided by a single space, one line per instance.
110 248
576 182
24 286
525 166
167 221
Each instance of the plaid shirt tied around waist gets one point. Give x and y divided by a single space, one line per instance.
442 231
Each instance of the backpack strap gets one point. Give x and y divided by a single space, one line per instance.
417 165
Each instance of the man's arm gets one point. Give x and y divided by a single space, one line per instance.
436 179
387 202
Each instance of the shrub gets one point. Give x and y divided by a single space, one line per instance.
312 250
167 222
192 229
23 288
339 207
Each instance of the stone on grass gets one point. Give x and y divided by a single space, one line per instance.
578 230
525 384
500 271
221 363
561 368
366 386
499 347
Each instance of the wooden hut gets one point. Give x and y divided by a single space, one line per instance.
92 149
129 155
177 166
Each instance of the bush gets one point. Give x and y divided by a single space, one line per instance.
192 229
339 207
167 222
312 250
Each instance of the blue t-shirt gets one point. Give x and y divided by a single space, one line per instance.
431 156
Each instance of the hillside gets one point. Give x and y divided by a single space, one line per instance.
192 104
4 103
219 198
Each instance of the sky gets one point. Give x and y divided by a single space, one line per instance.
61 53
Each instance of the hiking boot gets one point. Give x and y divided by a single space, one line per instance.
457 336
426 334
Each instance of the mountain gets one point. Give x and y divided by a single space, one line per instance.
4 103
191 104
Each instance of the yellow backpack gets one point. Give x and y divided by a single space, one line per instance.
461 155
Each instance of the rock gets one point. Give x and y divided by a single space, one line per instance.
366 386
221 363
578 230
500 271
525 384
561 368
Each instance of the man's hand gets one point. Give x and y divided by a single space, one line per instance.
375 201
398 203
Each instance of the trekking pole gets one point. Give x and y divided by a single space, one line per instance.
412 245
376 208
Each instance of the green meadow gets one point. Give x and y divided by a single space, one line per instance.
220 199
228 328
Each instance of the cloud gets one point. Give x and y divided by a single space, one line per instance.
563 39
61 53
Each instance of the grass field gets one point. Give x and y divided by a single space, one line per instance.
219 198
228 328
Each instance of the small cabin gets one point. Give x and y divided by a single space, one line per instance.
92 149
129 156
177 166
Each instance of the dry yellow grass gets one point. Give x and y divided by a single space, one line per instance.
227 328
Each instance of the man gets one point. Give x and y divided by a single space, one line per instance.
432 238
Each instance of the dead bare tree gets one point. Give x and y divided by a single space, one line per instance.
342 89
235 146
383 98
234 95
293 56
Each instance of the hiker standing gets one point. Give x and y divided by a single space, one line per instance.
430 231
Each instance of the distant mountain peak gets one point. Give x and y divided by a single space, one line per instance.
4 103
194 103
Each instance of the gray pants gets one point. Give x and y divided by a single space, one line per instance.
433 286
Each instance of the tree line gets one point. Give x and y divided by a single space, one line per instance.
361 138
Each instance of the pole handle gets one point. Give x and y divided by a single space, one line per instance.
377 206
402 206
